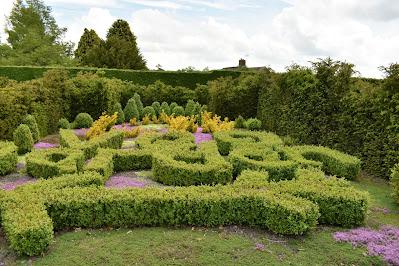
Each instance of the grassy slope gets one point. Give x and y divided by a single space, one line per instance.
198 246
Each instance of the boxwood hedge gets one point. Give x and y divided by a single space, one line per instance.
8 157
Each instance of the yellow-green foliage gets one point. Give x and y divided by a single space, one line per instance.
146 120
101 125
133 122
8 157
212 123
130 132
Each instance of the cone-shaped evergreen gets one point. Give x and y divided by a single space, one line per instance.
139 104
121 46
88 48
117 108
131 110
30 121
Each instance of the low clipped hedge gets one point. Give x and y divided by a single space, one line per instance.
49 163
339 203
256 157
333 162
187 168
112 139
8 157
228 140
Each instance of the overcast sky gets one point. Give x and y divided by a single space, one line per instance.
217 33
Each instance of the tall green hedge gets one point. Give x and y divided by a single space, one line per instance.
174 78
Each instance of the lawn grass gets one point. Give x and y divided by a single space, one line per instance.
213 246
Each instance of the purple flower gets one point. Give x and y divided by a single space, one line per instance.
383 242
44 145
123 182
202 137
81 131
260 247
11 185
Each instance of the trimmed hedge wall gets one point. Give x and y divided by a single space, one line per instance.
8 157
173 78
395 182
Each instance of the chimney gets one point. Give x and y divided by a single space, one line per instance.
242 63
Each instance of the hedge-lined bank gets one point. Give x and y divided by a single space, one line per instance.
173 78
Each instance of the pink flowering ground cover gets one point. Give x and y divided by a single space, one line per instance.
383 242
45 145
202 137
13 183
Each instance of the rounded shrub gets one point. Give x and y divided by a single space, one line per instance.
83 120
149 111
172 106
139 104
23 139
157 108
8 157
253 124
165 108
239 122
117 108
131 110
63 123
30 121
190 108
178 110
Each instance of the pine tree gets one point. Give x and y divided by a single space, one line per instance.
121 47
117 108
30 121
131 111
88 48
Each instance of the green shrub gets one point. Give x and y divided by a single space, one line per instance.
228 140
102 163
149 111
68 138
178 110
139 104
30 121
157 108
190 108
49 163
83 120
239 122
395 182
253 124
117 108
8 157
23 139
333 162
165 108
186 168
127 160
172 106
63 123
256 157
131 110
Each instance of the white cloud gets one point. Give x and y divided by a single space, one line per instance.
5 7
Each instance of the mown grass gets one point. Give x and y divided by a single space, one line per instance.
216 246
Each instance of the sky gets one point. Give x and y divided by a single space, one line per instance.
217 33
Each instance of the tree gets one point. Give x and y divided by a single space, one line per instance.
34 36
131 111
88 48
121 48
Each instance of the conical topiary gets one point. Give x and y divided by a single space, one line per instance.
131 110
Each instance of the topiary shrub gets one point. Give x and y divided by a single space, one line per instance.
83 120
139 104
149 111
239 122
131 110
253 124
8 157
117 108
157 108
190 108
23 139
172 106
63 123
178 110
165 108
30 121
